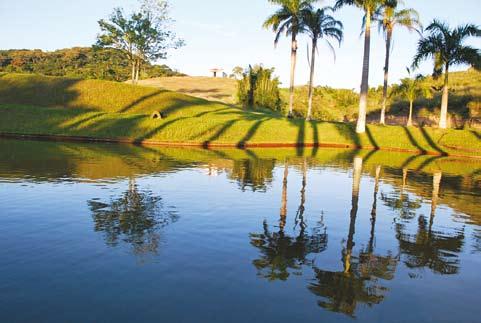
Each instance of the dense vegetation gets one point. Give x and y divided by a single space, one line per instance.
342 104
259 88
108 110
77 62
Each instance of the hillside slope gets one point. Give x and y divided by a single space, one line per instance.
209 88
38 105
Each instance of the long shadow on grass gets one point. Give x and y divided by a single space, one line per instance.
348 131
371 138
315 132
478 135
250 133
413 141
140 100
81 122
431 142
153 132
219 133
301 138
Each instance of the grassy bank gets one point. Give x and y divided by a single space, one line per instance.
88 108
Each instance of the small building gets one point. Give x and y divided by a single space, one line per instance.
216 71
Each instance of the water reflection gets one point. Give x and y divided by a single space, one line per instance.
428 248
345 229
283 254
360 280
136 218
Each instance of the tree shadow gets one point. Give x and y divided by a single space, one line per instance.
413 141
140 100
301 137
38 91
431 142
153 132
349 132
250 133
219 133
315 132
478 135
371 138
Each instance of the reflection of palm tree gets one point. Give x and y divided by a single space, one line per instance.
358 282
427 248
284 196
135 219
281 254
402 202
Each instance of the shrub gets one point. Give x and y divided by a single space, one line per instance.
259 88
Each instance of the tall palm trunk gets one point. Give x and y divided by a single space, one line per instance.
361 120
410 118
284 197
356 182
293 73
311 79
443 121
386 76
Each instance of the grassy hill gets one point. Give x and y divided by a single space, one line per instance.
39 105
209 88
342 104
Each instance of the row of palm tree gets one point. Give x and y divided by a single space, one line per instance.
443 44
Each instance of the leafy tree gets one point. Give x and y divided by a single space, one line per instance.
142 35
289 20
370 7
411 89
318 24
446 46
389 18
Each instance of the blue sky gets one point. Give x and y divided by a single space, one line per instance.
222 33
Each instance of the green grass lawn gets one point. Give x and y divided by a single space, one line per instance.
68 107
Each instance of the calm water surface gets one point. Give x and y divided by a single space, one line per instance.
111 233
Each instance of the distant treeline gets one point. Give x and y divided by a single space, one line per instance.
79 62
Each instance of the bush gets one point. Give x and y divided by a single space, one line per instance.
258 88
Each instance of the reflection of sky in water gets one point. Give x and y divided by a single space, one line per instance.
203 270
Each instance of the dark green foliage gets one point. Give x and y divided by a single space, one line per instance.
78 62
259 88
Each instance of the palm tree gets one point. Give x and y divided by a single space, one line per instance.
389 18
319 24
446 47
288 19
370 7
411 88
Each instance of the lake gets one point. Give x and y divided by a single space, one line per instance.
120 233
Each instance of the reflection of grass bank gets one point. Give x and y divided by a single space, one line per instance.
107 110
41 161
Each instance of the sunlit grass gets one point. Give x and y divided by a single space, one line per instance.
57 106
